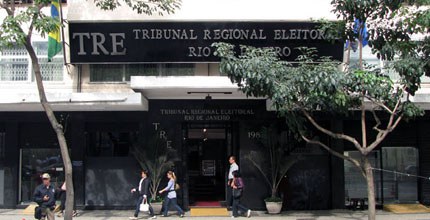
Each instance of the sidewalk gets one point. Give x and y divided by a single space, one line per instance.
16 214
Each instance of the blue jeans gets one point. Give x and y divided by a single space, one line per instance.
172 201
237 205
139 201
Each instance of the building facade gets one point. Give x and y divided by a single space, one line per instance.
131 77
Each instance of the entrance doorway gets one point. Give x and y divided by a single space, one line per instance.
207 147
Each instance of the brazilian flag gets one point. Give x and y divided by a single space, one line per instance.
54 40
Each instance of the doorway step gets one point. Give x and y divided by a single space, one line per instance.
209 211
29 210
406 208
213 204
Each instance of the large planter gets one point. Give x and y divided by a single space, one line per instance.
157 207
274 207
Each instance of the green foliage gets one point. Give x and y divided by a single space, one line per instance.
306 86
11 27
10 32
157 199
141 7
333 29
319 84
391 25
154 156
411 111
273 199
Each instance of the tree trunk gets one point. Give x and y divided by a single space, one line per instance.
370 188
58 128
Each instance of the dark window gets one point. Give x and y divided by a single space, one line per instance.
106 73
123 72
109 143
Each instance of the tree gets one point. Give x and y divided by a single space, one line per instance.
319 85
17 28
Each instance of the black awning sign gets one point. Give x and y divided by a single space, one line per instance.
149 42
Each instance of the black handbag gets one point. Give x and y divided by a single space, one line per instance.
237 193
37 212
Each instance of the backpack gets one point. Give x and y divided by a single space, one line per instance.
37 212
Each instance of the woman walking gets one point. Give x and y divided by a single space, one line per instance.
62 195
237 185
171 195
144 195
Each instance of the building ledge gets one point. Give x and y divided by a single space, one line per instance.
186 87
76 102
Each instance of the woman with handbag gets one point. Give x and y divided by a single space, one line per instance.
171 195
143 201
62 195
237 191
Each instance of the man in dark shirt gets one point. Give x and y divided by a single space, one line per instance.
44 196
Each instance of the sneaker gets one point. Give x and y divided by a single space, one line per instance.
181 215
132 218
233 216
154 217
248 213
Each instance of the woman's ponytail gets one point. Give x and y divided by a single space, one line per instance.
173 175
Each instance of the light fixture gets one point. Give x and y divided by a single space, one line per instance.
226 93
209 97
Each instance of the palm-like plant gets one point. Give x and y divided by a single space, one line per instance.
273 161
155 157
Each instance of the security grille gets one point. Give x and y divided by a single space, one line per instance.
15 64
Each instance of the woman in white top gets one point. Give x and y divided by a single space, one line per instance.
171 195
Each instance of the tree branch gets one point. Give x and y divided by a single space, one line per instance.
382 134
332 134
331 151
379 104
10 11
33 19
378 121
363 124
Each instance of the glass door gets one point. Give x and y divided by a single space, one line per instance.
397 163
35 162
355 183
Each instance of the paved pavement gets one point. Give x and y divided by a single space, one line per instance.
17 214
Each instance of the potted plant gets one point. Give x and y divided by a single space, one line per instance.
157 158
273 162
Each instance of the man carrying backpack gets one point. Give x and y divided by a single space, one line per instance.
44 196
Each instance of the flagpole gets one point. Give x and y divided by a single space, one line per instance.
62 32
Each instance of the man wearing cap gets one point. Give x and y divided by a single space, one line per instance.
44 196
